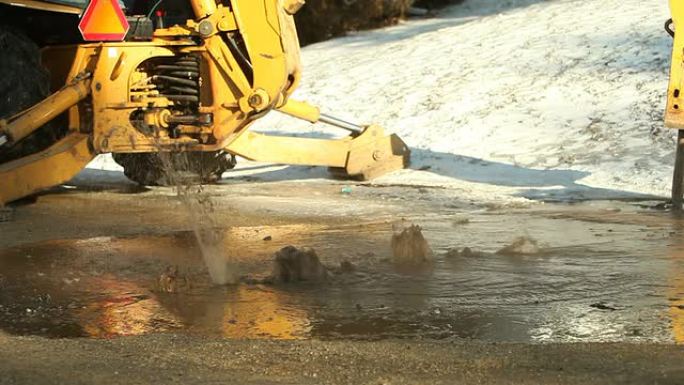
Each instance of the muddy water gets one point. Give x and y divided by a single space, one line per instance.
199 207
601 271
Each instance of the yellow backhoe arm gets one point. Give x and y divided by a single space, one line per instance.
367 153
673 111
51 167
23 124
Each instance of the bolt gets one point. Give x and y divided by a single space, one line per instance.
98 86
377 155
255 101
206 28
223 25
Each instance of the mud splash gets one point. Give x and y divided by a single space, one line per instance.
409 245
294 265
521 246
200 207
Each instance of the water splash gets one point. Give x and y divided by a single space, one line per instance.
200 210
521 246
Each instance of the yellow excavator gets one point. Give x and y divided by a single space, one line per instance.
186 81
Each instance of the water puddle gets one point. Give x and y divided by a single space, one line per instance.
547 275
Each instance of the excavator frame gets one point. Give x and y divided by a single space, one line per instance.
101 85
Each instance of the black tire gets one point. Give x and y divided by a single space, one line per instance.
23 83
168 169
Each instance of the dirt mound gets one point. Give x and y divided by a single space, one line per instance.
409 246
293 265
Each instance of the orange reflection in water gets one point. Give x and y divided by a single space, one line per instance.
127 307
236 312
676 297
261 314
676 286
124 311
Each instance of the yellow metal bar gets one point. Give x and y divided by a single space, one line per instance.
364 156
271 43
56 165
291 150
203 8
674 117
23 124
301 110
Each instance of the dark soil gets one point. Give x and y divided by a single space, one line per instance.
320 20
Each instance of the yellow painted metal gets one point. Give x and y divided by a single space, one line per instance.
43 6
301 110
291 150
56 165
228 95
260 29
374 153
203 8
674 114
23 124
221 19
115 97
293 6
232 98
365 156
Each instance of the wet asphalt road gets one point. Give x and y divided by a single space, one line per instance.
169 359
85 265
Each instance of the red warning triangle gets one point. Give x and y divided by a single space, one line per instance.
103 20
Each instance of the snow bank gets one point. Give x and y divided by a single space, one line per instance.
538 94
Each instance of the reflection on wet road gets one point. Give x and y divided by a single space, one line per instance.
605 272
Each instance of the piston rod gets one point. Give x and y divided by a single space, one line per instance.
325 118
305 111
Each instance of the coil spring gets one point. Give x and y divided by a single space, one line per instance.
179 80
